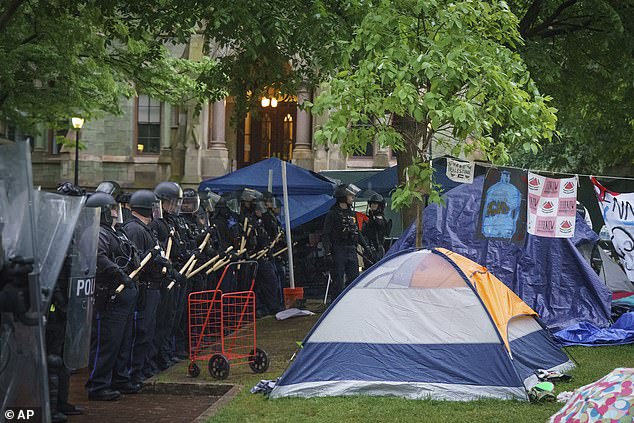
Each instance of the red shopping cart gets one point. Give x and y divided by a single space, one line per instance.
222 328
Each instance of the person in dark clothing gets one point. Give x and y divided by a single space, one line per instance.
266 283
55 334
170 226
112 326
377 228
142 203
340 238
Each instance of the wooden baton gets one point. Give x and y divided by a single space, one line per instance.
136 271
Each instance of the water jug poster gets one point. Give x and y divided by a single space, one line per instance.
552 206
618 214
458 171
503 206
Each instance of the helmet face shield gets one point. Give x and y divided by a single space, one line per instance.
116 213
210 202
353 190
190 205
172 205
157 210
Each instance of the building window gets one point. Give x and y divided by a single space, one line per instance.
148 125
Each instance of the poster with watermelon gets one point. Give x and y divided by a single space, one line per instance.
552 206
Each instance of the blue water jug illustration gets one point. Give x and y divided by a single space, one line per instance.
501 209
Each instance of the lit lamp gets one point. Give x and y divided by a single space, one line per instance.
273 102
140 147
77 124
265 102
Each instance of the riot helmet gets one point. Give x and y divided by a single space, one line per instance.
191 201
248 197
171 196
345 193
376 202
260 207
110 187
110 209
124 198
145 203
231 202
66 188
276 206
209 199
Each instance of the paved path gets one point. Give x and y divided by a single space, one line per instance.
150 407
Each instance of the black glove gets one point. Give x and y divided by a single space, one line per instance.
127 281
162 261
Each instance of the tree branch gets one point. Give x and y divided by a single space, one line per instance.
530 17
8 13
548 22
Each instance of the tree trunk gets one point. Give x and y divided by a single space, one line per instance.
412 132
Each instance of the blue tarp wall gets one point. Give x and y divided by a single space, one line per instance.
549 274
309 194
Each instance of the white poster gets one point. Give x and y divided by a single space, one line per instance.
460 171
618 215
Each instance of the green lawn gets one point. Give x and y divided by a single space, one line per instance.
278 338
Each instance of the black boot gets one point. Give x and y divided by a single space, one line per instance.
55 363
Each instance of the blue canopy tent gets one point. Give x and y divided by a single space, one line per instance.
549 274
309 194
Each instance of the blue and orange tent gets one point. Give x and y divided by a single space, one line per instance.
424 324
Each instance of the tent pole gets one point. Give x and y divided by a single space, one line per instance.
270 186
287 222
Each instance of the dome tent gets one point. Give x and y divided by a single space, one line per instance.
424 324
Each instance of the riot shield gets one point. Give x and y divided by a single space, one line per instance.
81 287
56 216
23 378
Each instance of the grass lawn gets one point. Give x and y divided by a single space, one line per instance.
278 339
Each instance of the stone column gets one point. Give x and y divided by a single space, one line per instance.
193 134
216 159
303 152
381 156
381 153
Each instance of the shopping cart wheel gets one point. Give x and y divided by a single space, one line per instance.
193 370
218 366
259 362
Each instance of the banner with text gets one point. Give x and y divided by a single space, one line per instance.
552 206
458 171
618 214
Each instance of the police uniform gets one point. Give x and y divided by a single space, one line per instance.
150 281
111 338
340 238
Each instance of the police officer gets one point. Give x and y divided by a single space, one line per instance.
142 205
58 373
341 236
112 326
266 283
166 227
377 228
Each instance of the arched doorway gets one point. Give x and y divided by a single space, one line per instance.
268 133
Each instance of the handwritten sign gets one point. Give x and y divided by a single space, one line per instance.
460 171
618 214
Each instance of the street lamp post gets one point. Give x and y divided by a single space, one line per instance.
77 124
